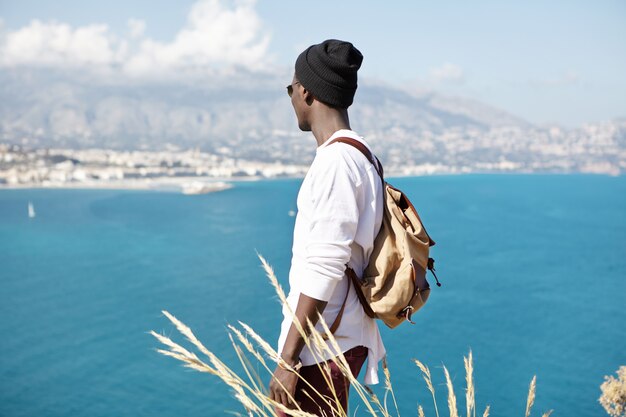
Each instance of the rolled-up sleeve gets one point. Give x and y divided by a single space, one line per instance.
333 225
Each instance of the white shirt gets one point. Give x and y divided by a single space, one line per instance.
339 215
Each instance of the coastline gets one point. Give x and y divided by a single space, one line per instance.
203 185
198 185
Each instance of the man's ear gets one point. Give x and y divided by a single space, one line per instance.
307 96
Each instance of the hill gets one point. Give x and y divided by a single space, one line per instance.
248 116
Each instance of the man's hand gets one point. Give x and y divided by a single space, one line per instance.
288 379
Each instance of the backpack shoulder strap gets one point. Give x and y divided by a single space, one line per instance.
363 149
379 169
352 278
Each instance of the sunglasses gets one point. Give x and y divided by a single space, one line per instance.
290 88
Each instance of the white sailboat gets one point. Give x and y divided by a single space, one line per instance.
31 210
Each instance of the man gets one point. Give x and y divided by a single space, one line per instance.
339 215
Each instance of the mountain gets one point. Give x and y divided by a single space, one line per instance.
250 117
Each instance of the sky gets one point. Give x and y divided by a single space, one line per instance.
548 62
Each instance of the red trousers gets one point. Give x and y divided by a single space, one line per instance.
313 375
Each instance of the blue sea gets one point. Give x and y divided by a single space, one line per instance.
533 270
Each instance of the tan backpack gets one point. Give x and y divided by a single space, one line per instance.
394 284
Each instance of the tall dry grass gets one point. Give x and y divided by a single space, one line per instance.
253 353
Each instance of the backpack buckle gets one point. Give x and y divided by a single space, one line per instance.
406 313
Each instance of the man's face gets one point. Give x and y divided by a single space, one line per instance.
299 104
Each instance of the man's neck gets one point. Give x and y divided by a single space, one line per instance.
328 123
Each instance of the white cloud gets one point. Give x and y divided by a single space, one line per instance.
217 35
214 36
59 45
448 73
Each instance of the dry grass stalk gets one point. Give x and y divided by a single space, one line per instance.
246 343
420 411
190 360
269 271
547 413
469 379
219 369
186 331
486 413
451 397
429 382
178 352
388 386
189 363
269 350
531 395
253 376
315 342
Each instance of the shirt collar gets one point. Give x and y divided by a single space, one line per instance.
340 133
